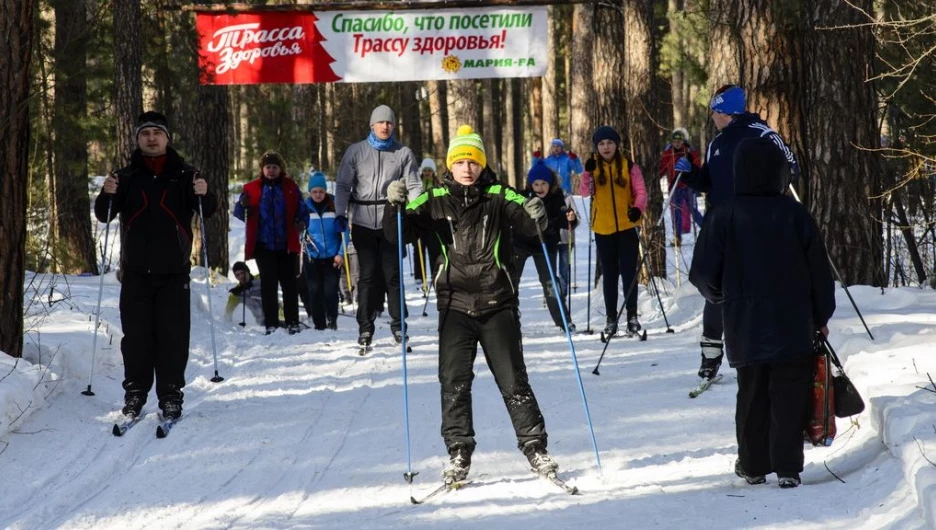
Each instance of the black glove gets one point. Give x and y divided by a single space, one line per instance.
245 205
633 214
590 165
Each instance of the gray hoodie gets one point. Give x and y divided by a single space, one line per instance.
363 178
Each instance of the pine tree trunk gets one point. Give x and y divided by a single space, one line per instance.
642 110
843 175
550 83
438 110
580 79
608 107
462 104
16 29
411 135
74 251
534 125
128 84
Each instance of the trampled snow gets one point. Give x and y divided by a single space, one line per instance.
304 433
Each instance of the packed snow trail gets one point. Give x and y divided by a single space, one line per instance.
304 433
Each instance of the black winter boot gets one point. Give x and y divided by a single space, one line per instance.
459 464
133 405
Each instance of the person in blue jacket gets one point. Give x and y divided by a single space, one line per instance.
323 255
561 162
760 257
716 178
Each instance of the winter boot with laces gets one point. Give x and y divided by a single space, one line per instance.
712 354
610 328
540 461
133 405
364 339
459 464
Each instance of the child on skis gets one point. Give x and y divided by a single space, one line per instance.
619 198
323 255
473 215
760 257
541 182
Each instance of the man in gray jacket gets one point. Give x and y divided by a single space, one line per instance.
366 170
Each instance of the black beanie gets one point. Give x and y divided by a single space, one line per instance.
240 266
151 119
272 157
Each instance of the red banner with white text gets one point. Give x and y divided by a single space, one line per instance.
372 46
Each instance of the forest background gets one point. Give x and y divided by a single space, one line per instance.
851 86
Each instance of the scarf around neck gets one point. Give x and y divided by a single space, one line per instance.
378 144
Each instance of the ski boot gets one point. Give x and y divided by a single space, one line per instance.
610 330
133 405
293 328
540 461
172 410
332 324
712 354
398 338
269 330
633 326
459 464
364 341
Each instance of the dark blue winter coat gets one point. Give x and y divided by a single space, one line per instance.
274 227
716 177
761 256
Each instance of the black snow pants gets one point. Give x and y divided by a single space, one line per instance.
499 335
278 268
155 314
773 403
379 264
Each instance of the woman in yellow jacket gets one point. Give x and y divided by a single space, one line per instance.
618 199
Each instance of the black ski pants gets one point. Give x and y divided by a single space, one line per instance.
379 272
521 255
155 314
617 254
322 290
713 321
773 403
499 335
278 268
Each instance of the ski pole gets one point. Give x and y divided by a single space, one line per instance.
243 321
409 475
649 263
422 267
426 304
569 270
347 266
617 318
588 286
839 276
97 312
565 325
214 348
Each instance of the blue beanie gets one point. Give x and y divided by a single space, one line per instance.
317 180
731 101
540 171
606 132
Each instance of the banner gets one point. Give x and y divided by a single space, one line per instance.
372 46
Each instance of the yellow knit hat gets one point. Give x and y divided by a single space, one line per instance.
466 144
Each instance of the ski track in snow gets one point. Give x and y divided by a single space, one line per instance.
304 433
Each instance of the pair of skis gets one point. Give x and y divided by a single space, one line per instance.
452 485
162 430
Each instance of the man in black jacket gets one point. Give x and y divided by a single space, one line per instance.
716 178
472 215
156 197
761 258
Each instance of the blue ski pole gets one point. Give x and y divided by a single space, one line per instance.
565 324
409 475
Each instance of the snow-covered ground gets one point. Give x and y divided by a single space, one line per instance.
304 433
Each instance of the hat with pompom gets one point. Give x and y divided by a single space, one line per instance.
466 144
